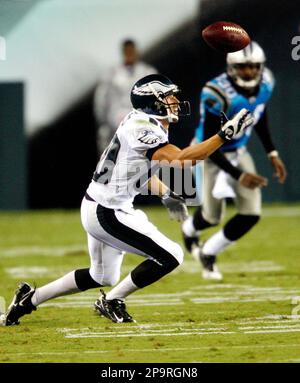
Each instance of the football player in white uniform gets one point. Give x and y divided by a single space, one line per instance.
113 226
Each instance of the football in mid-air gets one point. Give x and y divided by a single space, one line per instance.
225 36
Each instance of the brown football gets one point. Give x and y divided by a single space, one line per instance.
225 36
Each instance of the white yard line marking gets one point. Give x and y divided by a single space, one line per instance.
212 300
240 290
51 272
272 331
155 332
55 251
240 293
181 329
35 272
168 334
279 317
291 360
167 349
290 326
183 325
239 299
146 326
293 211
255 321
222 286
188 266
192 333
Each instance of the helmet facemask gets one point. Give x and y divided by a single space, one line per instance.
233 71
177 109
173 109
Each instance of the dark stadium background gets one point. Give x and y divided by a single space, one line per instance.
53 167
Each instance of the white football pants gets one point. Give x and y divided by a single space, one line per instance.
111 233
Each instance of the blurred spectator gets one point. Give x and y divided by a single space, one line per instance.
112 101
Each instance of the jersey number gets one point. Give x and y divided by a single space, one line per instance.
107 162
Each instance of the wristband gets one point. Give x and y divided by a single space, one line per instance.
273 154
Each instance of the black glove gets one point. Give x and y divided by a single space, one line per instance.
175 205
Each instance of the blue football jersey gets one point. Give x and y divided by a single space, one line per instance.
219 95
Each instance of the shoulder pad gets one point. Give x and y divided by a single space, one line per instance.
215 97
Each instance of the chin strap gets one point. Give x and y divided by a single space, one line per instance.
171 116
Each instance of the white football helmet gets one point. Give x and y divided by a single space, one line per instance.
252 54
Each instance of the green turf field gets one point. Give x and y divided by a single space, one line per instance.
252 316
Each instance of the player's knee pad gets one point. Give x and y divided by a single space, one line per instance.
160 264
172 262
150 271
84 280
239 225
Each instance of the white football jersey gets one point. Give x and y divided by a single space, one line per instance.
124 168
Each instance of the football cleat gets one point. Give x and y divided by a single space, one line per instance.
210 270
20 305
114 309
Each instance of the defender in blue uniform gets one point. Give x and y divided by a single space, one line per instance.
230 171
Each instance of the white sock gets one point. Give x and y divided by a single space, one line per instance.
188 227
122 290
216 243
62 286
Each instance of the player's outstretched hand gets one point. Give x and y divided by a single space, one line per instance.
175 205
279 169
252 181
231 128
